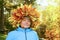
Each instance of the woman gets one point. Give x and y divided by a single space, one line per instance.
23 32
23 17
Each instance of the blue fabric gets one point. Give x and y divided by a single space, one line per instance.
22 34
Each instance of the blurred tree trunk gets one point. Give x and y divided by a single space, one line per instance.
1 17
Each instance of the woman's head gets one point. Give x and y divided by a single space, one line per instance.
18 14
26 22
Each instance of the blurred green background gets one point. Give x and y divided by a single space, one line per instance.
49 17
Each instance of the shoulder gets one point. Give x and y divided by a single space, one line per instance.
10 35
34 32
12 32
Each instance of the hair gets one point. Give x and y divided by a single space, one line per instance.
27 18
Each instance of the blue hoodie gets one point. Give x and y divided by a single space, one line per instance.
22 34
